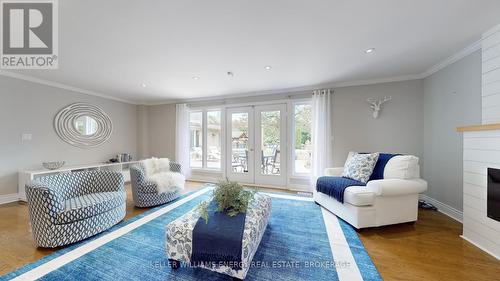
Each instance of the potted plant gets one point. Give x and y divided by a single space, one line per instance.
230 198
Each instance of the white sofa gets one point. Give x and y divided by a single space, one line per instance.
391 200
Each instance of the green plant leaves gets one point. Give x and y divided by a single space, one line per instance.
230 197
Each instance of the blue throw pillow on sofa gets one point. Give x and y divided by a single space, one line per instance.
378 171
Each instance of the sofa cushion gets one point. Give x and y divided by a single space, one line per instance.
89 205
397 187
359 196
360 166
402 167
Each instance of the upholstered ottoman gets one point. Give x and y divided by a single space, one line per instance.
179 237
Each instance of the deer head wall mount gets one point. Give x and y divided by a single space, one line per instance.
376 104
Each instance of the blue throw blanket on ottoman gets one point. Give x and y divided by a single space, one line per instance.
335 186
219 240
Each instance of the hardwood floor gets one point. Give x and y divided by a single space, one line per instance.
16 242
430 249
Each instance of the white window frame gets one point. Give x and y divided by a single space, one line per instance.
292 139
204 122
191 135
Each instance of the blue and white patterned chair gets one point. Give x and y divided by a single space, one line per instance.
144 193
69 207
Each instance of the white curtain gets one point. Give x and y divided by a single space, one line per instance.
182 138
322 133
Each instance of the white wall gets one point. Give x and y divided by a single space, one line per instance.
491 76
162 130
452 98
27 107
142 132
398 129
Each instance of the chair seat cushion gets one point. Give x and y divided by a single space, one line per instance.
89 205
359 196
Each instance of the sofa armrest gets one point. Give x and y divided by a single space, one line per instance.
43 198
396 187
334 172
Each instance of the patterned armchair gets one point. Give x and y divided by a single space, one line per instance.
69 207
144 193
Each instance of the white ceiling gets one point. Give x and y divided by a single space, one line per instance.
111 47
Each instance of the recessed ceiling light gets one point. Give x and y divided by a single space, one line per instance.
369 51
143 85
196 77
268 67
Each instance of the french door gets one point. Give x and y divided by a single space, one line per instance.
256 144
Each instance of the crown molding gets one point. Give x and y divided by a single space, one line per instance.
61 86
297 90
285 91
452 59
377 81
291 91
491 31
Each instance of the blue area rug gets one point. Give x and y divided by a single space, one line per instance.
295 246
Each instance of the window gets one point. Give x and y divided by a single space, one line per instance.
214 139
302 152
196 131
239 142
271 138
205 127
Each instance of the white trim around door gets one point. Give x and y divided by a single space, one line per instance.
256 144
271 166
240 144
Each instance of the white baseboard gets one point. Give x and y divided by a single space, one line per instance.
480 247
444 208
9 198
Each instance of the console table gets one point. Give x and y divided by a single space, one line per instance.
29 175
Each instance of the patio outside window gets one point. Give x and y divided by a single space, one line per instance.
206 139
196 131
302 153
214 140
